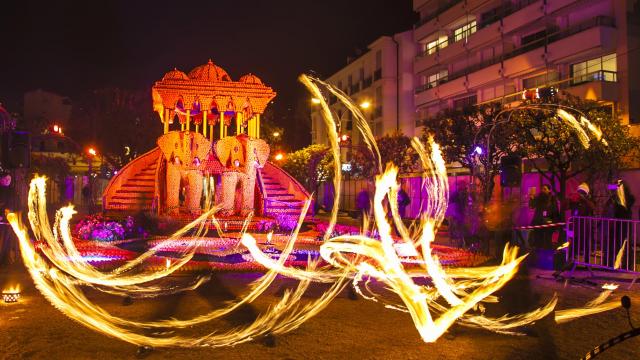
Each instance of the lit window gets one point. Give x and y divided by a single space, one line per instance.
438 44
436 79
599 69
464 31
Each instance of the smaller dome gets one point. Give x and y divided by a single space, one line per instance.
175 74
251 79
209 72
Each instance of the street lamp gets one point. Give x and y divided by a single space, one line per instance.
279 156
365 104
91 152
315 101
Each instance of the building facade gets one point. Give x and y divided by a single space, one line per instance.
43 109
381 82
479 51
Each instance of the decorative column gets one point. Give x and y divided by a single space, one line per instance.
165 118
222 125
188 118
250 127
238 123
204 123
257 126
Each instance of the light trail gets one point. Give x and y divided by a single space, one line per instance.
453 294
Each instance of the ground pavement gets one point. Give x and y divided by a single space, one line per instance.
346 329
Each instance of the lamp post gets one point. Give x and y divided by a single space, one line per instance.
91 153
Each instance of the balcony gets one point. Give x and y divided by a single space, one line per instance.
599 85
367 82
377 112
439 10
377 75
587 42
598 30
533 60
431 85
445 14
501 12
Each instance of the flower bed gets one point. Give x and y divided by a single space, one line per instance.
101 228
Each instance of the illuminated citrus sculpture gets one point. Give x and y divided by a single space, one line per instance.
218 140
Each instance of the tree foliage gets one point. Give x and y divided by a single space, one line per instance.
395 148
460 131
547 137
311 165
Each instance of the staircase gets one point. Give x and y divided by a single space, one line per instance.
282 193
133 189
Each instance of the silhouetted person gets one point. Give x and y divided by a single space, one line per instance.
403 202
582 205
458 206
618 206
363 204
8 242
546 212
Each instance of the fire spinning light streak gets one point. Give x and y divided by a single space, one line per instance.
455 294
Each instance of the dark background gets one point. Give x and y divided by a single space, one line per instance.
76 47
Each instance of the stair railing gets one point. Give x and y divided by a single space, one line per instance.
263 190
125 174
159 185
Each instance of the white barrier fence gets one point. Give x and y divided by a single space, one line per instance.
603 243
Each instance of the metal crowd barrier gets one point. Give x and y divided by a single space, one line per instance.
600 243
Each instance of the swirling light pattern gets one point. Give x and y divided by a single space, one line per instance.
452 294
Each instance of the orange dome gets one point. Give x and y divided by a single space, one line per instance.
250 79
175 74
209 72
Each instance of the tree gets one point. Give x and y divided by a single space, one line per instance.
546 136
476 137
395 148
311 166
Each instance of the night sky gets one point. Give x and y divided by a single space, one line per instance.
73 47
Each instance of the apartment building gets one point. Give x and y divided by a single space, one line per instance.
381 81
477 51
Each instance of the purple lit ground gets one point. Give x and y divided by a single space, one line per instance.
346 329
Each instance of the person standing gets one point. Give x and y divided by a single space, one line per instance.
403 202
459 202
546 212
363 204
8 242
582 205
619 206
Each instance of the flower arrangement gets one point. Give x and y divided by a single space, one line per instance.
101 228
282 223
338 229
286 223
265 226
